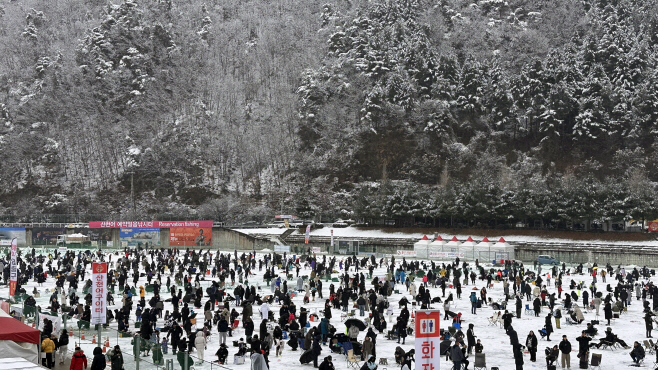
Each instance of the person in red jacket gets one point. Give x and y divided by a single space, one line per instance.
78 360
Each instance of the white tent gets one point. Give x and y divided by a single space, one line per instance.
436 246
438 242
484 244
454 242
502 250
421 246
467 248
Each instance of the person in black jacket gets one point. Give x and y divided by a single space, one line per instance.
99 360
648 323
607 310
565 348
531 344
517 349
263 328
175 332
479 348
316 350
327 364
62 346
583 343
637 353
513 336
222 354
470 338
248 324
536 304
549 326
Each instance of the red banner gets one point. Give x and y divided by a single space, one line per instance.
13 268
147 224
428 340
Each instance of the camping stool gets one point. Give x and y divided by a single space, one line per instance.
383 361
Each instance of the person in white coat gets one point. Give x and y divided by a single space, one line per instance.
264 310
200 344
412 290
389 312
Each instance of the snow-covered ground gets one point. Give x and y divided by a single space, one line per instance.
496 344
353 232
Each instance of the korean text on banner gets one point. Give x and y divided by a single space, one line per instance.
99 292
308 234
13 268
406 253
428 340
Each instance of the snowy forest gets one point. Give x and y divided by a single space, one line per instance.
485 112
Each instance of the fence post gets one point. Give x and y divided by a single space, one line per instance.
136 349
186 358
100 333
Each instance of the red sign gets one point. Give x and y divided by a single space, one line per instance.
13 268
190 236
653 226
428 340
147 224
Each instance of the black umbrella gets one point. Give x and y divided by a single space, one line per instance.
356 322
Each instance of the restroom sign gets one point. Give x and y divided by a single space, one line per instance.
427 326
428 341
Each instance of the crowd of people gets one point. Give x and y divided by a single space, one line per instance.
193 294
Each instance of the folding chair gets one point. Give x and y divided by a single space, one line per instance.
528 310
347 346
480 362
494 320
606 345
648 347
352 361
595 362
